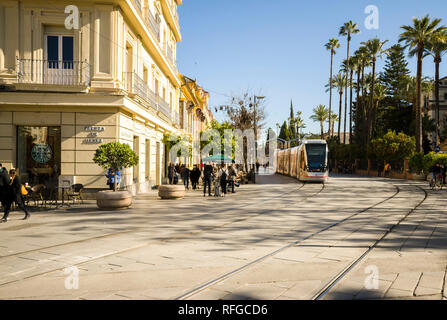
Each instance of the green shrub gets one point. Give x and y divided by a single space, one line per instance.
116 156
422 163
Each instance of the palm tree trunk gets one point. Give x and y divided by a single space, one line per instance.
418 100
364 136
350 109
330 94
438 124
346 87
371 102
357 105
322 129
340 109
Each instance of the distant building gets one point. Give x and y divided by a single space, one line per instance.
429 108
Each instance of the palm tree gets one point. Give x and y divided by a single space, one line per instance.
344 69
321 114
332 45
417 37
334 118
364 60
437 47
348 29
375 50
355 65
339 82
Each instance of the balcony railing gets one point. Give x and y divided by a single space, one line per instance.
164 107
176 118
152 22
68 73
170 55
138 4
135 85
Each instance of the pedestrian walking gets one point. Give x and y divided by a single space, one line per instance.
231 178
171 172
223 180
207 177
387 170
4 185
14 194
195 176
185 176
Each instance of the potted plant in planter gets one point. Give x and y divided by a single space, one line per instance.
115 156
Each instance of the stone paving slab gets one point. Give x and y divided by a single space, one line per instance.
176 246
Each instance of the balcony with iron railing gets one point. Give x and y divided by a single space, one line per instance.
152 22
47 72
133 84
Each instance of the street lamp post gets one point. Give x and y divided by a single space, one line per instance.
256 133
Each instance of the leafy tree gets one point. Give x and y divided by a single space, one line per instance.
393 147
284 133
116 156
221 127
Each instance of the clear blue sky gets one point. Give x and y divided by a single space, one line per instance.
277 47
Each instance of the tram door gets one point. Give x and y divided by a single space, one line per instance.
302 162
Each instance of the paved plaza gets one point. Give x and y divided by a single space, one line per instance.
353 238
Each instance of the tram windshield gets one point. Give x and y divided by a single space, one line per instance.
316 157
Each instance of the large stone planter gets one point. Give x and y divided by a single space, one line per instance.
171 191
109 200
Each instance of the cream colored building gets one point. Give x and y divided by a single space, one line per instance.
195 115
64 92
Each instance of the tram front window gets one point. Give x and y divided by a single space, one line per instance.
316 157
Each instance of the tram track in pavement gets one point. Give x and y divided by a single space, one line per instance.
326 288
333 282
143 244
114 234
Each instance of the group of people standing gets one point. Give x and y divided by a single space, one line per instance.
221 177
10 192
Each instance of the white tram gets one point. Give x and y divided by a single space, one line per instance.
307 162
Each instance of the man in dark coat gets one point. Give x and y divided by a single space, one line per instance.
207 177
15 194
185 176
171 172
195 176
4 185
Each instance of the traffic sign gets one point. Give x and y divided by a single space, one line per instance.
437 149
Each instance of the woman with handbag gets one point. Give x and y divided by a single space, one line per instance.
16 193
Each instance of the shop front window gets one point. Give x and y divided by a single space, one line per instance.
39 155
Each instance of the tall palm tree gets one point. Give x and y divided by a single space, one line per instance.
339 82
354 63
332 45
365 62
375 50
437 47
348 29
320 114
417 37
